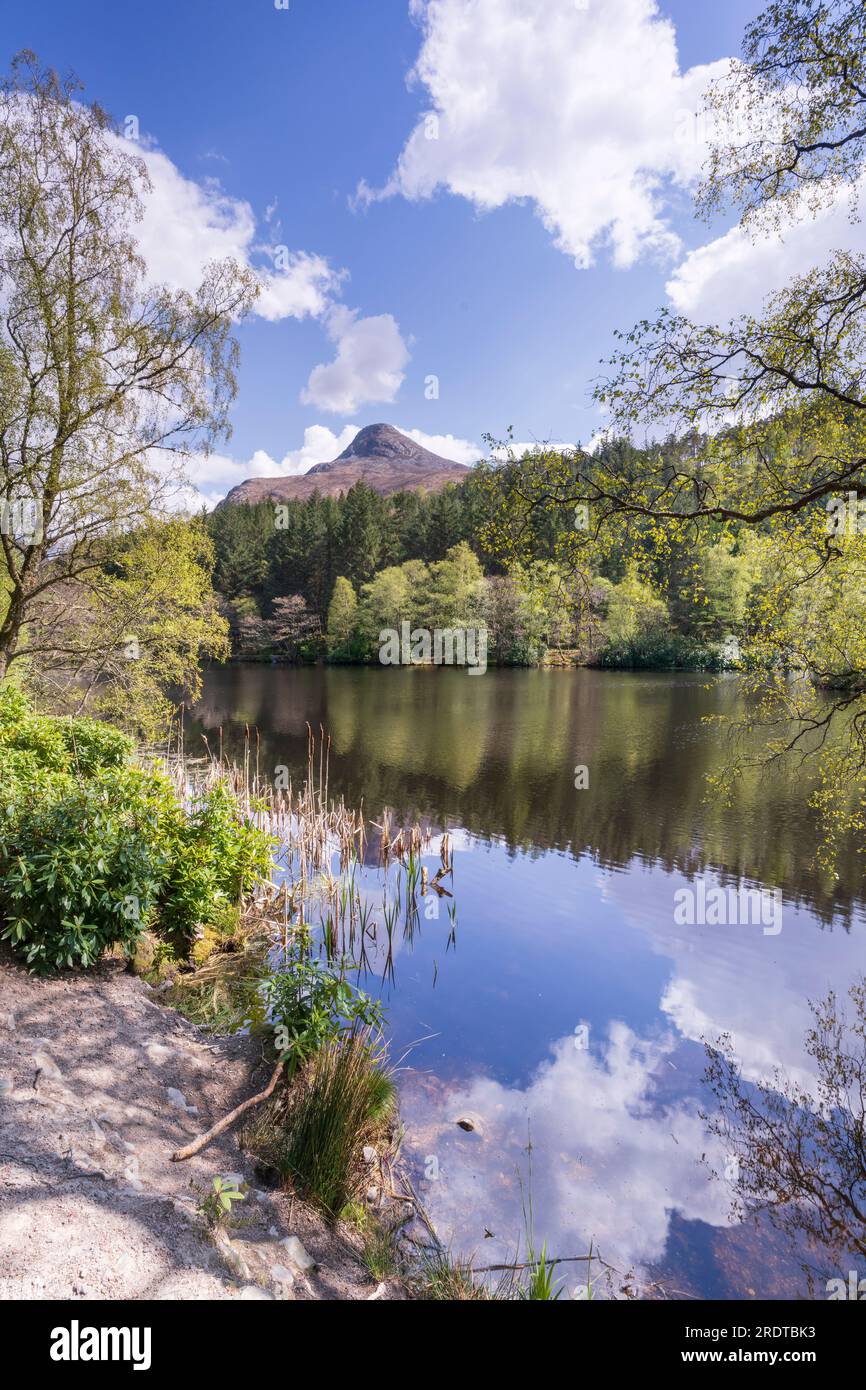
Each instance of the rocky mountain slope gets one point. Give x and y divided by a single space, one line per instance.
387 460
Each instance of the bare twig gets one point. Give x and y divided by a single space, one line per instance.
222 1125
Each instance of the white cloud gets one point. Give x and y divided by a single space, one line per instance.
304 287
186 224
583 111
211 476
448 446
721 977
368 367
518 447
734 273
320 445
615 1160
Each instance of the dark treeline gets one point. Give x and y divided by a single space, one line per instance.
277 565
301 547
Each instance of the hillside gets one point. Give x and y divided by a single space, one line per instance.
385 459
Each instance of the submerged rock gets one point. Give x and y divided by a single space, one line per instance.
471 1122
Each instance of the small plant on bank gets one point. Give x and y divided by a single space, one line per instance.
379 1250
355 1214
445 1278
309 1005
539 1284
217 1205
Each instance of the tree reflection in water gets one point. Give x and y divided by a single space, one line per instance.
797 1154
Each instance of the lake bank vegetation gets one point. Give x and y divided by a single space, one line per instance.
243 907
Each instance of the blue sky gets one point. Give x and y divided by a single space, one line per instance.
553 205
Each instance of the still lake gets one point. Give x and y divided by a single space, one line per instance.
566 1001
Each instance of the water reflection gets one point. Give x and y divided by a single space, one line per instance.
497 756
565 904
617 1158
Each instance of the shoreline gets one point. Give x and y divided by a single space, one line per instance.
101 1083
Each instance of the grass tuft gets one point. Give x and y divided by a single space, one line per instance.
344 1101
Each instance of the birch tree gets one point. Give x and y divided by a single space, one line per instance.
106 381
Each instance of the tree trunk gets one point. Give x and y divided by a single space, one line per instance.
10 631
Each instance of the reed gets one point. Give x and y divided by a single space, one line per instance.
346 1100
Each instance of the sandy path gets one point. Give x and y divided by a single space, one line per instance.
93 1077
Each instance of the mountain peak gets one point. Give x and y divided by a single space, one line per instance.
378 439
379 456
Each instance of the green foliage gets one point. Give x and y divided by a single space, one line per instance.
660 651
355 1214
440 562
309 1005
216 1206
634 609
38 744
342 639
513 638
137 372
455 595
155 612
388 600
213 856
540 1284
80 873
321 539
445 1278
379 1249
94 850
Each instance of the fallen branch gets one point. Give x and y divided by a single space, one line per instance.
533 1264
222 1125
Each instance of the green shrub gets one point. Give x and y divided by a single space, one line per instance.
94 849
214 855
91 745
660 651
80 874
309 1005
31 744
